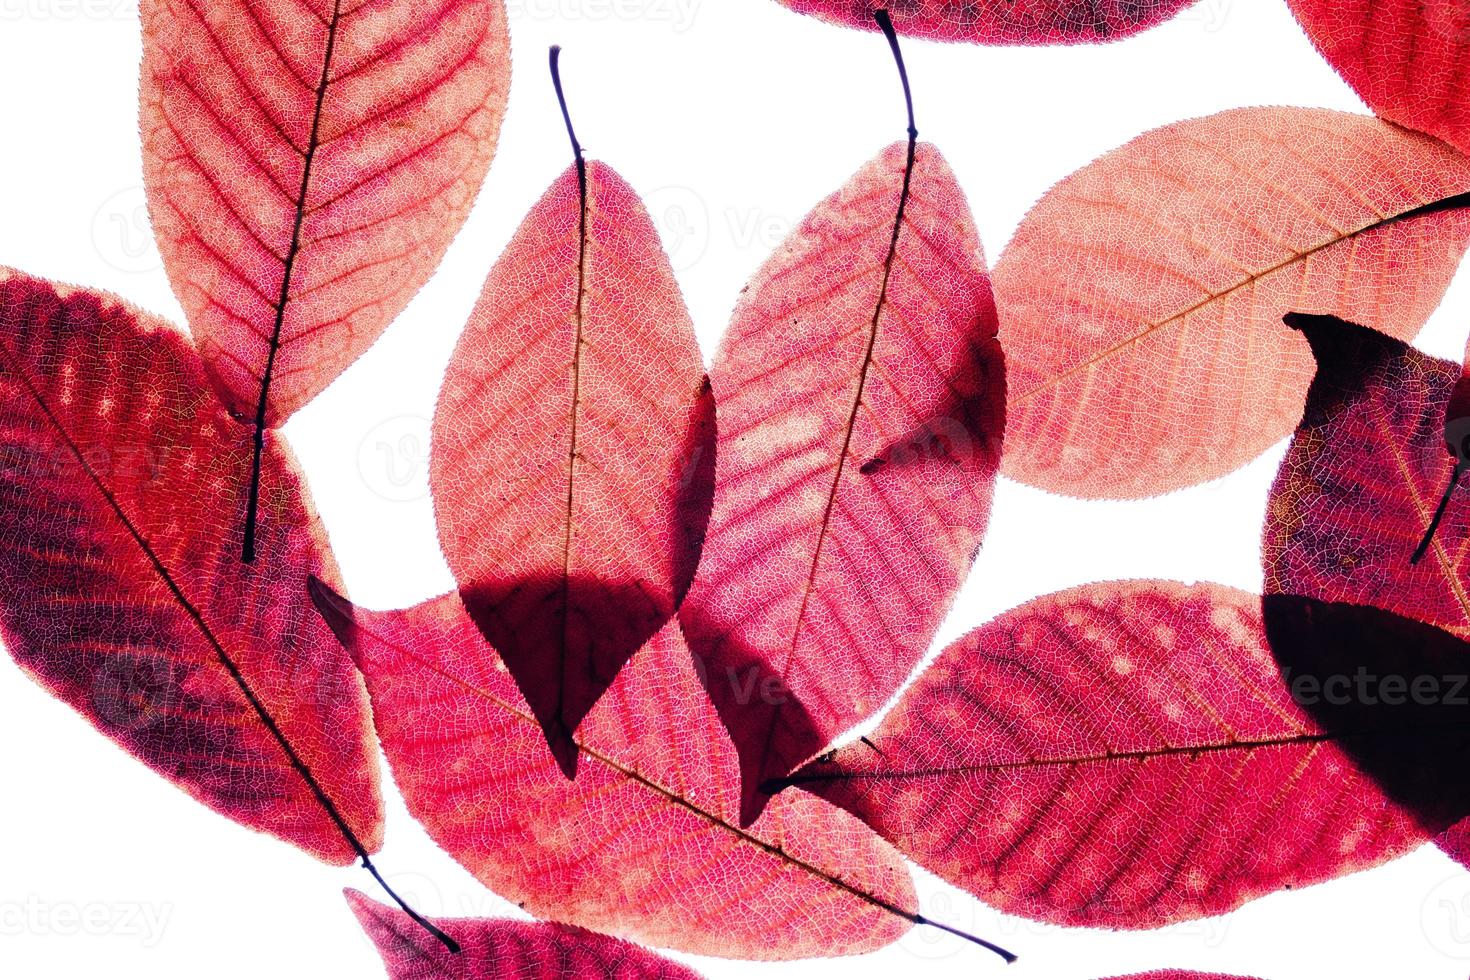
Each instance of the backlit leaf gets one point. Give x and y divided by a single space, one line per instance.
861 396
121 590
1404 58
1141 300
307 164
1121 755
645 842
573 451
1354 495
504 949
1001 21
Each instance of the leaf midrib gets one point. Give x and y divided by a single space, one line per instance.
654 786
195 615
1047 386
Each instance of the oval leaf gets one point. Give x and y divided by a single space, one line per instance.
307 165
1404 58
492 949
651 815
1001 21
1141 300
573 451
861 398
121 590
1040 764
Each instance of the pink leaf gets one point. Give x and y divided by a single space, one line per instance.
573 449
1001 21
644 844
120 587
307 164
861 394
1121 755
504 949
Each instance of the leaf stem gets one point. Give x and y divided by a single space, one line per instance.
885 23
433 930
566 117
1003 953
1439 512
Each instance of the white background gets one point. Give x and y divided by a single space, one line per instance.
733 117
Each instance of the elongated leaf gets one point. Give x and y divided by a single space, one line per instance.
1405 58
1002 21
1141 300
307 164
1356 492
573 456
120 587
861 399
644 844
495 949
1122 755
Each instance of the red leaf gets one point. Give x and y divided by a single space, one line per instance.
1361 480
650 816
1405 58
122 591
1141 300
307 164
574 449
861 409
1121 755
1456 842
1001 21
1354 494
1180 975
503 948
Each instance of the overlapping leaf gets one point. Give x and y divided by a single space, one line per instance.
573 454
861 394
645 843
495 949
307 164
1354 495
1002 21
1361 481
1405 58
1141 300
121 590
1122 755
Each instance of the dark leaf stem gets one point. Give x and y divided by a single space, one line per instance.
1439 512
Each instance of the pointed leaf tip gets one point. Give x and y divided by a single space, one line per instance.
573 449
495 949
1024 717
608 850
864 337
120 592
